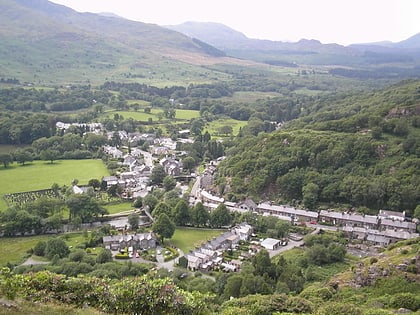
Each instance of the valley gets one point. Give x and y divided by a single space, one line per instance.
272 177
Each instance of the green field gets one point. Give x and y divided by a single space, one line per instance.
188 238
187 114
15 249
119 207
41 175
213 127
140 115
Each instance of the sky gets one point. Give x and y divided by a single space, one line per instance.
330 21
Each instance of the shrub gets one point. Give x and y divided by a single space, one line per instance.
39 248
406 300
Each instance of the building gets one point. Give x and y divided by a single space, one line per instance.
271 243
137 241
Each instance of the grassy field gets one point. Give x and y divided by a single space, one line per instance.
188 238
41 175
14 249
187 114
140 115
118 207
213 127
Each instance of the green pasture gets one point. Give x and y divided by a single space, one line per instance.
188 238
214 126
15 249
186 114
42 175
118 207
140 115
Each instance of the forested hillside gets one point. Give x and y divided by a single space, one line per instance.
357 150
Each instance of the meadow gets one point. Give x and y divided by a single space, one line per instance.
140 115
214 126
188 238
42 175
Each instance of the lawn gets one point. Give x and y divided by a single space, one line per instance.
119 207
41 175
188 238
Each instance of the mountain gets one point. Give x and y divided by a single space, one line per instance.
42 40
305 51
228 39
410 43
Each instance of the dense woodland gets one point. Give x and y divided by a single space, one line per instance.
357 150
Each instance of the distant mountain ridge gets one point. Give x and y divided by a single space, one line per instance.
228 39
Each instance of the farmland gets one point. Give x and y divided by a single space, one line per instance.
41 175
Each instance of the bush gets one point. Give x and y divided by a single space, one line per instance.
406 300
39 248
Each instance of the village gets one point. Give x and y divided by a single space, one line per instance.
379 230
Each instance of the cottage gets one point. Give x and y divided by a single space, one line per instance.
110 180
392 215
286 211
389 224
194 262
348 219
137 241
247 204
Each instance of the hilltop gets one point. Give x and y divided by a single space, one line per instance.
49 43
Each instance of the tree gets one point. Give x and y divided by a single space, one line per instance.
6 159
161 208
50 155
282 228
134 220
225 130
169 183
181 213
262 263
22 156
104 256
417 212
84 207
56 247
199 216
95 183
164 227
150 201
232 287
310 195
220 216
158 174
188 163
138 203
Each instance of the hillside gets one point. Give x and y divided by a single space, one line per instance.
46 42
357 150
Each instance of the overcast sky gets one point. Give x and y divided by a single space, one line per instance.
339 21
